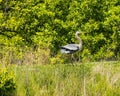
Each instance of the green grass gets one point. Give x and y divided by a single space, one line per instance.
86 79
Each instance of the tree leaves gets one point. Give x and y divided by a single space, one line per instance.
52 23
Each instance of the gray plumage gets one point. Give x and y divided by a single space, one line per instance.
71 48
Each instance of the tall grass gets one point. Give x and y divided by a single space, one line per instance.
86 79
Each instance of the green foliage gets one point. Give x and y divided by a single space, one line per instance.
51 23
7 83
57 59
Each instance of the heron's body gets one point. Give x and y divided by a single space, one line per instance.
71 48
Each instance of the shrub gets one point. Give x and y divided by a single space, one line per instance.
7 83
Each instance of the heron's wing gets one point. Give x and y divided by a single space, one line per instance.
65 51
72 47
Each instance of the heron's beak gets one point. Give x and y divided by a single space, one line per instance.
83 32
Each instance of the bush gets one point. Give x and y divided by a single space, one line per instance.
7 83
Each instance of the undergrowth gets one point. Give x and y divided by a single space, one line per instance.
86 79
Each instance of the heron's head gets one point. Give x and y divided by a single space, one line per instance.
78 32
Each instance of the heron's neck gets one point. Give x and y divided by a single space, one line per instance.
79 39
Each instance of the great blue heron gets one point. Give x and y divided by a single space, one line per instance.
71 48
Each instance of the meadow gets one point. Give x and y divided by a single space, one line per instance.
80 79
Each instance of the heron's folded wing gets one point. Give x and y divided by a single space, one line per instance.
73 47
65 51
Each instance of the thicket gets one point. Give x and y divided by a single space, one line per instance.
7 83
34 30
